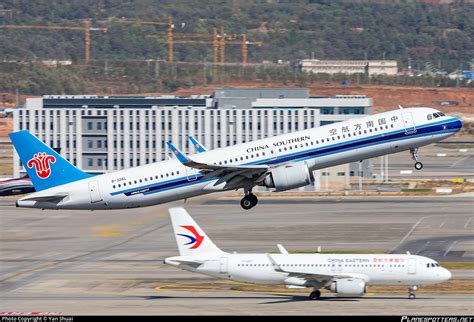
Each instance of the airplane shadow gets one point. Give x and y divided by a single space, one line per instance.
285 298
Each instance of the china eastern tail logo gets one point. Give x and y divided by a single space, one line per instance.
196 239
41 162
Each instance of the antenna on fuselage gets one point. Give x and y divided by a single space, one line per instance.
400 107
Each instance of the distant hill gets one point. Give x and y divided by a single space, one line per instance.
437 32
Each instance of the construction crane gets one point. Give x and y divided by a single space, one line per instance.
86 28
169 33
243 42
206 40
218 40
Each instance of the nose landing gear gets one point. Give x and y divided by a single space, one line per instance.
414 156
411 292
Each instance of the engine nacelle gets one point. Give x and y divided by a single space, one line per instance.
289 176
348 287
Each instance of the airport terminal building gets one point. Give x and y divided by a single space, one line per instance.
109 133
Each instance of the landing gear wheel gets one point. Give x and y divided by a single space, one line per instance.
418 166
253 198
248 202
412 291
314 295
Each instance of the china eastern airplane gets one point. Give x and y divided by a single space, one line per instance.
282 162
347 275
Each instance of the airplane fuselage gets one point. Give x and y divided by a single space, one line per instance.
316 148
380 269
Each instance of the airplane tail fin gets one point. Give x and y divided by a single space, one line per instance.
44 166
191 239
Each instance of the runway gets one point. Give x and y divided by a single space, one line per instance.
110 262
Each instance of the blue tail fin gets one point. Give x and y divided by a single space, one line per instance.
45 167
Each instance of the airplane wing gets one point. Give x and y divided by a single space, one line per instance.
226 173
199 147
294 272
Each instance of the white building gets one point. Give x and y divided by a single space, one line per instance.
101 134
369 67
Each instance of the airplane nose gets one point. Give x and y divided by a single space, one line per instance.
446 275
458 124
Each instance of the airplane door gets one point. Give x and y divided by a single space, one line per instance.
191 174
94 191
409 123
412 266
223 264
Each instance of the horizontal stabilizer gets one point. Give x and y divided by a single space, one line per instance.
51 198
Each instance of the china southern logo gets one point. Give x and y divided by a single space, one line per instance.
41 163
196 239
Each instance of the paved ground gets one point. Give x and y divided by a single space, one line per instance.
111 262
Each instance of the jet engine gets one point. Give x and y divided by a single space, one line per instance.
289 176
348 287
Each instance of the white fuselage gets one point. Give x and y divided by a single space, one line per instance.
381 269
320 147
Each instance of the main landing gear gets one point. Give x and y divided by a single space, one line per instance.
249 201
414 156
411 292
315 295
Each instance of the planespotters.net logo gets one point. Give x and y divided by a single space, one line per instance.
195 239
41 162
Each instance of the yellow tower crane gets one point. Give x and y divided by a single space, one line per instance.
86 28
169 33
218 41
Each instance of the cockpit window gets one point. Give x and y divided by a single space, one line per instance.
436 115
432 265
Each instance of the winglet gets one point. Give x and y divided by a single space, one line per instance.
282 249
199 147
180 155
275 265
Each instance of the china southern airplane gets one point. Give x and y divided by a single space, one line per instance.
282 162
347 275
